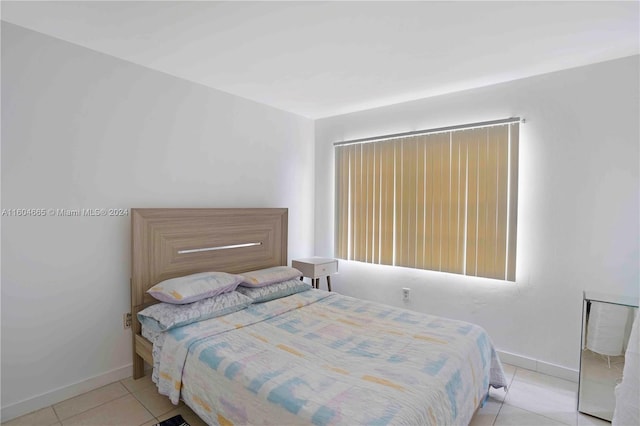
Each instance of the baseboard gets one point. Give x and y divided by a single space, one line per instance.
539 366
58 395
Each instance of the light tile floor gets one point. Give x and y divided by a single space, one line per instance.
125 403
532 399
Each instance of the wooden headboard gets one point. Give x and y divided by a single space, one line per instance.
167 243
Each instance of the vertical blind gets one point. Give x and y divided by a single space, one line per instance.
443 201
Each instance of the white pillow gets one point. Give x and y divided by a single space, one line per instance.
192 288
262 277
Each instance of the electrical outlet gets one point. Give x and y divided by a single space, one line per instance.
405 294
126 320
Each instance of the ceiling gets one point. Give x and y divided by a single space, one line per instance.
318 59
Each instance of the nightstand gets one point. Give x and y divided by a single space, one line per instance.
316 267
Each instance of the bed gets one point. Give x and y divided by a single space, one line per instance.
311 357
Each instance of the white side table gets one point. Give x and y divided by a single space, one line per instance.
315 268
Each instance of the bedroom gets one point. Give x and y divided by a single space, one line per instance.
83 128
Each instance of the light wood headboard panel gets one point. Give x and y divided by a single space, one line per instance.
157 235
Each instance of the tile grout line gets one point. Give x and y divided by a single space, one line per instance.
145 407
152 416
55 413
84 411
100 405
524 409
155 419
505 396
538 414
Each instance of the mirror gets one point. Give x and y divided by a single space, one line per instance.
606 327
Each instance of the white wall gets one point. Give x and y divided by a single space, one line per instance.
578 207
85 130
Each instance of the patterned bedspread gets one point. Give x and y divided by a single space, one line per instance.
322 358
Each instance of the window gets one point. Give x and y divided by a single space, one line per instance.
443 200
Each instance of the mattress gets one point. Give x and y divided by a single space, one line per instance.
323 358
